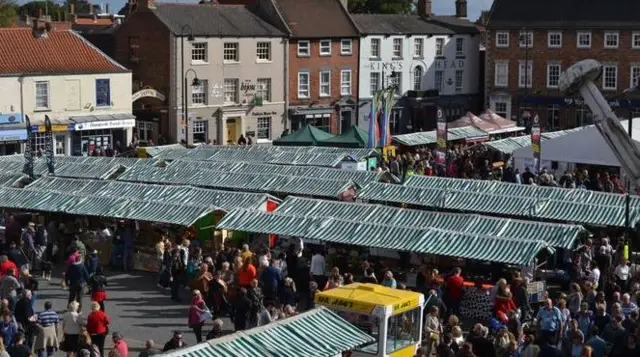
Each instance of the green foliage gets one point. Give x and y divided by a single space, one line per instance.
33 8
380 6
8 13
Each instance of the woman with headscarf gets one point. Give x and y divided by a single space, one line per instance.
198 314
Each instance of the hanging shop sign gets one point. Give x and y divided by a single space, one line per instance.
13 135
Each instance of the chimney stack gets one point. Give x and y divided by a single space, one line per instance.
72 9
424 8
146 4
40 13
461 9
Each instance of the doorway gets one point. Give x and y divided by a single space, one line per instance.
232 130
91 143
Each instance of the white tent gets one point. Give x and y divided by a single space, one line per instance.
580 147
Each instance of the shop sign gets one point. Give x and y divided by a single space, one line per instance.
13 135
345 304
446 64
107 124
378 66
614 103
55 128
264 114
406 305
148 93
10 118
248 86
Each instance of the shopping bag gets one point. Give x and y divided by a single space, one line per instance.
204 315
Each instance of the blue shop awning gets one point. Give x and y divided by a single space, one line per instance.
13 135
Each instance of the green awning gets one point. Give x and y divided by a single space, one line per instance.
306 136
509 145
315 333
421 240
9 179
429 137
352 138
556 235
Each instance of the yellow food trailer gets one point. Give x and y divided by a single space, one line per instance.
394 317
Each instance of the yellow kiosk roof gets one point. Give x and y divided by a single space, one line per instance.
365 297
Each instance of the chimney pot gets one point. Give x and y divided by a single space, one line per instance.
461 9
72 9
424 8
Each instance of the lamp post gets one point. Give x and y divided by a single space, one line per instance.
524 37
188 31
185 84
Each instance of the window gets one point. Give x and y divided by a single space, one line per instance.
303 48
42 95
459 80
500 108
60 144
199 93
635 76
404 330
134 47
553 115
553 75
374 83
303 84
144 130
459 47
346 47
199 52
39 144
325 83
396 80
635 40
397 48
345 82
263 89
611 39
418 48
231 52
610 77
375 48
103 93
502 39
366 324
524 74
439 47
438 80
583 116
584 39
263 51
501 74
231 90
417 78
264 128
394 120
526 39
199 131
325 47
554 39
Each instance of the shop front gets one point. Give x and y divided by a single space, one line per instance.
13 133
263 123
318 116
102 132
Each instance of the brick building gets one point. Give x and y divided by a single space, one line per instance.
323 60
529 43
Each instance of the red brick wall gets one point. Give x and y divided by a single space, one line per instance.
314 64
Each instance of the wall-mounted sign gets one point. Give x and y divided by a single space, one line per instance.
13 135
10 118
378 66
55 128
446 64
248 86
217 90
148 93
614 103
107 124
264 114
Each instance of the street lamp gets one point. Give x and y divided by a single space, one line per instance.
195 82
524 37
188 31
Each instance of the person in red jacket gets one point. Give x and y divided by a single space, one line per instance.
503 302
98 326
6 264
455 289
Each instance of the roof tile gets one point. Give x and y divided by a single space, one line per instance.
60 52
388 24
317 18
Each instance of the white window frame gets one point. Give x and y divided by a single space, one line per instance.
418 47
635 40
232 46
439 47
304 48
324 87
460 47
372 90
374 48
553 67
614 36
502 35
345 84
144 129
397 52
346 47
263 89
199 93
528 39
438 80
59 144
260 124
526 74
498 76
605 68
501 103
304 90
228 82
396 80
459 80
47 85
324 47
632 78
550 36
199 52
417 79
261 47
579 34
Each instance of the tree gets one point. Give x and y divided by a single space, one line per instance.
8 13
380 6
33 9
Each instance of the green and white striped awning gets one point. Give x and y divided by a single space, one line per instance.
316 333
422 240
556 235
429 137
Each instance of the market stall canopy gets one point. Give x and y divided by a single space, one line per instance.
92 167
315 333
580 147
509 145
507 199
429 137
248 182
352 138
307 135
153 151
420 240
556 235
504 125
470 119
10 179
